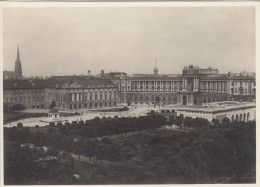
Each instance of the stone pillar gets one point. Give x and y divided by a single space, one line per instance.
194 84
185 85
72 97
182 84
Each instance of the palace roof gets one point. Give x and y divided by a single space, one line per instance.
52 83
28 84
88 83
157 77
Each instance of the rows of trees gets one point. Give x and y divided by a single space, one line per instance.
220 153
213 154
106 127
225 154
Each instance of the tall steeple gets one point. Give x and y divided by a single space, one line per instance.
155 70
18 54
18 66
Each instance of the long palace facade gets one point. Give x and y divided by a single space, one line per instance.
68 94
195 86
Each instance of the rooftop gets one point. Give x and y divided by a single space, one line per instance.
218 106
56 83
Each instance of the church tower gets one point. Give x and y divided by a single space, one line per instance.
18 67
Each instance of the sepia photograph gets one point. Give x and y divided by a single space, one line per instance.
122 94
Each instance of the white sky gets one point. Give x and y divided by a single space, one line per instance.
58 41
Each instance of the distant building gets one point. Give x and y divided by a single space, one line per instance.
18 74
233 110
8 74
86 93
73 93
195 86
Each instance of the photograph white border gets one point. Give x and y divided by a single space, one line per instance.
255 4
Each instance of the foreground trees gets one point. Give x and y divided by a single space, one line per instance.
220 153
27 164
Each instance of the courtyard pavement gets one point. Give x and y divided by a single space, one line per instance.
134 111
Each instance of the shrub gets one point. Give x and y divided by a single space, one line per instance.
215 121
19 125
81 122
59 124
51 124
225 121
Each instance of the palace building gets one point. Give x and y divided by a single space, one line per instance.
195 86
72 93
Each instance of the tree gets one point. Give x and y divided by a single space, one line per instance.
188 122
89 148
225 121
215 121
51 124
81 123
171 121
179 120
59 124
113 153
78 148
127 151
19 125
74 123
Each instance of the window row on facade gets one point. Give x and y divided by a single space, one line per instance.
24 99
90 105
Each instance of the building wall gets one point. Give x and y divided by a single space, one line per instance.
30 98
247 114
65 98
86 98
190 89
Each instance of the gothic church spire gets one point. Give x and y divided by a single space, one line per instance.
18 66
